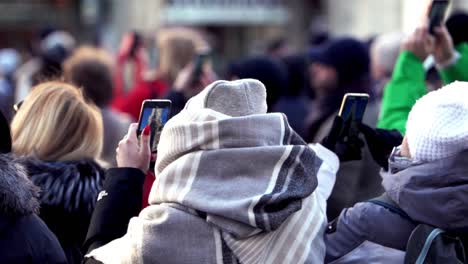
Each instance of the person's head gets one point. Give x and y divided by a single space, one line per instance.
54 49
296 66
177 47
278 48
384 53
437 124
55 123
273 74
91 69
338 65
57 46
246 97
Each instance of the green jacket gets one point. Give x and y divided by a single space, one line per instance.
408 85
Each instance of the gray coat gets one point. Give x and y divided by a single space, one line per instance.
432 193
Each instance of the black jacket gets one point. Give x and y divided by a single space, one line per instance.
68 196
117 203
24 238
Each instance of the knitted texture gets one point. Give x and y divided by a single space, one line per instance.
437 125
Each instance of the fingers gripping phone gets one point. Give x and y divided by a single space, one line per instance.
437 14
353 108
154 113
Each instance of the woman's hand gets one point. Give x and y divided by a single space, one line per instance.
133 152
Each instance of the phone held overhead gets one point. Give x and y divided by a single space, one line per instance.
154 113
437 14
199 62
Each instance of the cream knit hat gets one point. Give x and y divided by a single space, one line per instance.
437 125
233 98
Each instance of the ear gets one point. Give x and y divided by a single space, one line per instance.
405 151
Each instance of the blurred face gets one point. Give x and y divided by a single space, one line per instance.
376 71
324 78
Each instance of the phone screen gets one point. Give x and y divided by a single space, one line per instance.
200 60
154 113
352 111
437 14
354 107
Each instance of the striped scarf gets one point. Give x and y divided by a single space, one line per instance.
228 190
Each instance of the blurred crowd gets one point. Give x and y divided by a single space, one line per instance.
249 169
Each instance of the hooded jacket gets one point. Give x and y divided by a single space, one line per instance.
68 197
24 238
233 185
432 193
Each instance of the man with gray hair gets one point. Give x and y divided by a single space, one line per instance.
384 53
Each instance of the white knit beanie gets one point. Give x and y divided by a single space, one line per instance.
437 125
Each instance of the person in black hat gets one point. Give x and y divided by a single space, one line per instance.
342 66
456 26
338 67
269 71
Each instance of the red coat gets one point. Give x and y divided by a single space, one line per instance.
141 89
149 180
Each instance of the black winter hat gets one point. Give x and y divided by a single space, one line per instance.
5 136
348 56
273 74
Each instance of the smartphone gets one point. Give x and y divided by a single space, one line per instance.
198 63
154 113
137 42
437 14
353 108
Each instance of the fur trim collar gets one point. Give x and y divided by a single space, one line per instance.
71 185
18 195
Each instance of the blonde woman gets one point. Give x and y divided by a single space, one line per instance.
58 137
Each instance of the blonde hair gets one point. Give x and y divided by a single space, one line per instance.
177 47
55 123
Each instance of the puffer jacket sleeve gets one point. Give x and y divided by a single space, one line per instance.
365 222
347 232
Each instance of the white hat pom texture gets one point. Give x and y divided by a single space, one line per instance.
437 125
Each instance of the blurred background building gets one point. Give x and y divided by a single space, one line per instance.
237 27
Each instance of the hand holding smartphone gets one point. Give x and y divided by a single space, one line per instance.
154 113
343 138
353 108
